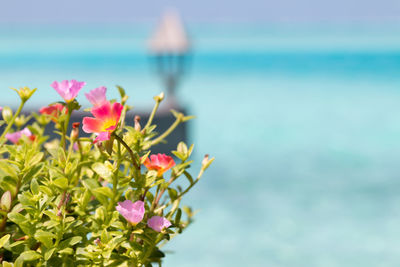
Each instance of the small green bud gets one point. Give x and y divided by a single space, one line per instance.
21 120
182 148
7 114
24 93
206 162
160 97
5 202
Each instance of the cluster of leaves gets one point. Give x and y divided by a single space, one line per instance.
58 197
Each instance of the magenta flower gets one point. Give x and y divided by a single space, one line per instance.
14 137
97 96
158 223
132 212
68 89
106 118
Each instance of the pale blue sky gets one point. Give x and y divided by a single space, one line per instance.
92 11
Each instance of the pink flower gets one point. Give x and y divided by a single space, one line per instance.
68 89
106 118
53 111
160 162
97 96
14 137
132 212
158 223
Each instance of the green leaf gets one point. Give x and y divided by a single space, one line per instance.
105 236
67 251
109 145
30 255
90 184
49 253
4 240
156 253
17 243
46 238
178 217
182 148
61 183
34 187
188 118
17 218
7 264
35 159
102 170
62 158
121 91
32 172
190 150
188 176
99 214
70 242
19 262
7 168
172 193
179 155
151 176
105 191
9 184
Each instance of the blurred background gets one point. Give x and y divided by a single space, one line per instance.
297 100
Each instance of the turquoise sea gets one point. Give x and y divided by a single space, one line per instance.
304 122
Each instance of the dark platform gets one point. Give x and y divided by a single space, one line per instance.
163 119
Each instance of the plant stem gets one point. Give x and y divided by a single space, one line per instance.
151 248
152 114
186 190
11 123
121 141
115 178
166 133
163 190
65 127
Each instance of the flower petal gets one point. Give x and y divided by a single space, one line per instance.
116 110
97 96
102 112
132 212
92 125
158 223
103 136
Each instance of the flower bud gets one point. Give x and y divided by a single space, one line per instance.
75 131
5 202
24 93
206 162
160 97
21 120
7 114
137 123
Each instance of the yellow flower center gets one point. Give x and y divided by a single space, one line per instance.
107 124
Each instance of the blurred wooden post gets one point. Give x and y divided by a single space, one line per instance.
169 46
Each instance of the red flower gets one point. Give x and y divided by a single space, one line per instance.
160 163
53 111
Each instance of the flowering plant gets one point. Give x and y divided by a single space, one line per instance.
78 201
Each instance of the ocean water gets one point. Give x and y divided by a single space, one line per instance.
304 122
